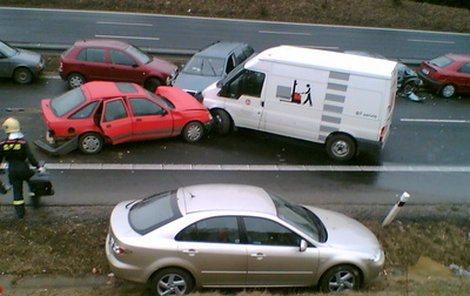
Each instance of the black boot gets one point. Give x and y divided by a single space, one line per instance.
20 211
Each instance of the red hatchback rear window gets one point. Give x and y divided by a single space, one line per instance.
68 101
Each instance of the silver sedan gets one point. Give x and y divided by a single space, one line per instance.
226 235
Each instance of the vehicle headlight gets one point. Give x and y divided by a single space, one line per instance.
377 256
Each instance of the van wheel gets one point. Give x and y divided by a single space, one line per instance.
75 80
448 91
171 281
340 147
222 121
340 278
193 132
90 143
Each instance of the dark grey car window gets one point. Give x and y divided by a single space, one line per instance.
115 110
142 107
92 55
246 83
68 101
120 58
85 111
465 69
153 212
266 232
212 230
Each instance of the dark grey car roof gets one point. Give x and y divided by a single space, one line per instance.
221 49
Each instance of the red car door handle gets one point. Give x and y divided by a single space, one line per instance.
138 119
108 125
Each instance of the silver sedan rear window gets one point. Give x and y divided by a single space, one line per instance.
153 212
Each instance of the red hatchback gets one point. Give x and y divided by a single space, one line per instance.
115 112
107 59
448 74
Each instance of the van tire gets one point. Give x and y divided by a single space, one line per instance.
340 147
222 122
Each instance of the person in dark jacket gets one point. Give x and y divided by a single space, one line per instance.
15 151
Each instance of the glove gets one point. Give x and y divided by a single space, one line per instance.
41 169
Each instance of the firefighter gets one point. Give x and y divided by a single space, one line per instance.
15 151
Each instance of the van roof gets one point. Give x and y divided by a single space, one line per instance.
330 60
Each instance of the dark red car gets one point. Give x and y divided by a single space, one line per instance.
107 59
102 112
448 74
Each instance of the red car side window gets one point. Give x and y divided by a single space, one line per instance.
114 110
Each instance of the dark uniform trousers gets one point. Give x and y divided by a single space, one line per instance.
18 155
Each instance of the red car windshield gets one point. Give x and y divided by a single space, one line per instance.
68 101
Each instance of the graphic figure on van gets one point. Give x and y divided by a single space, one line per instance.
309 98
295 96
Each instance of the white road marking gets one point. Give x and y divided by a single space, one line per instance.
284 33
256 167
431 41
124 24
434 120
127 37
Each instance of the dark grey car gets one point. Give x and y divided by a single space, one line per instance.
20 64
210 65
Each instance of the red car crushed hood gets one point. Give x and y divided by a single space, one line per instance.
181 99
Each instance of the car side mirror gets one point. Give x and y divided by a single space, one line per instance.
303 245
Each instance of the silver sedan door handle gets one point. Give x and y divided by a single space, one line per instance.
259 256
190 252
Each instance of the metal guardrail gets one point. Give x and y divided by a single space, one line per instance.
179 53
57 47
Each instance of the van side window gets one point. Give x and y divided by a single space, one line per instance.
248 83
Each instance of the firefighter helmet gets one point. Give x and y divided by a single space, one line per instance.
11 125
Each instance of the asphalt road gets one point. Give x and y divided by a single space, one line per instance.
426 156
168 33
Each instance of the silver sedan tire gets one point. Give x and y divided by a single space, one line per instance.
171 282
340 278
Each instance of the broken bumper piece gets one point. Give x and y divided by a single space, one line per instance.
63 149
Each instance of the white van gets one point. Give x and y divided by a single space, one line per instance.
343 101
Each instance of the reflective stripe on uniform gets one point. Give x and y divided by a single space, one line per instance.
18 202
15 146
